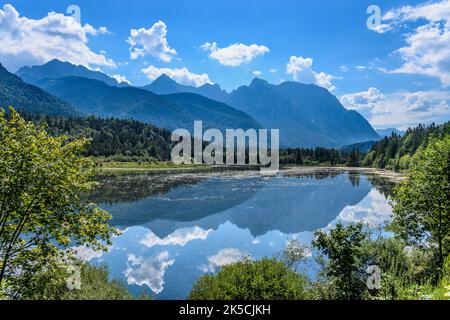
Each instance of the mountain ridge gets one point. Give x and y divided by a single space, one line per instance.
166 85
29 98
292 107
389 131
307 115
172 111
59 69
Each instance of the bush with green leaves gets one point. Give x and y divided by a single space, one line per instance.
94 284
42 214
265 279
429 291
421 203
343 260
400 266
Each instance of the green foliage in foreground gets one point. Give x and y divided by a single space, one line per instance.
52 284
345 259
442 290
406 272
422 202
95 285
42 179
348 252
428 291
266 279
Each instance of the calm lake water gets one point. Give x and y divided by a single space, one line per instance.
178 227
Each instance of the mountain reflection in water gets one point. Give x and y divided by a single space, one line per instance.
177 227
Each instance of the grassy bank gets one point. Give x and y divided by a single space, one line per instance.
169 167
150 166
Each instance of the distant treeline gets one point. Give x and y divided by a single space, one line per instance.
396 152
131 140
319 155
115 139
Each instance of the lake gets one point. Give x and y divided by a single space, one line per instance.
177 227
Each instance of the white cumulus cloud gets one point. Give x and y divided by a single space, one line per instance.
121 78
427 49
257 73
400 109
180 75
235 54
222 258
301 70
179 238
25 41
148 271
87 254
91 30
151 42
362 100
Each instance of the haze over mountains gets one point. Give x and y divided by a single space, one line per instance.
389 131
307 115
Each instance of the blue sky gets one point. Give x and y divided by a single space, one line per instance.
396 75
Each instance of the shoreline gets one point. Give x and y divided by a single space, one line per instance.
287 169
309 169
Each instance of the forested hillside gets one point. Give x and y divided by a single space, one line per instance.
396 152
121 140
131 140
28 98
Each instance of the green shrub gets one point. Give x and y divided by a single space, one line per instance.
266 279
95 285
51 284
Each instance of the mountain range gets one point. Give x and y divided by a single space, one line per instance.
167 111
165 85
362 147
307 115
25 97
58 69
389 131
